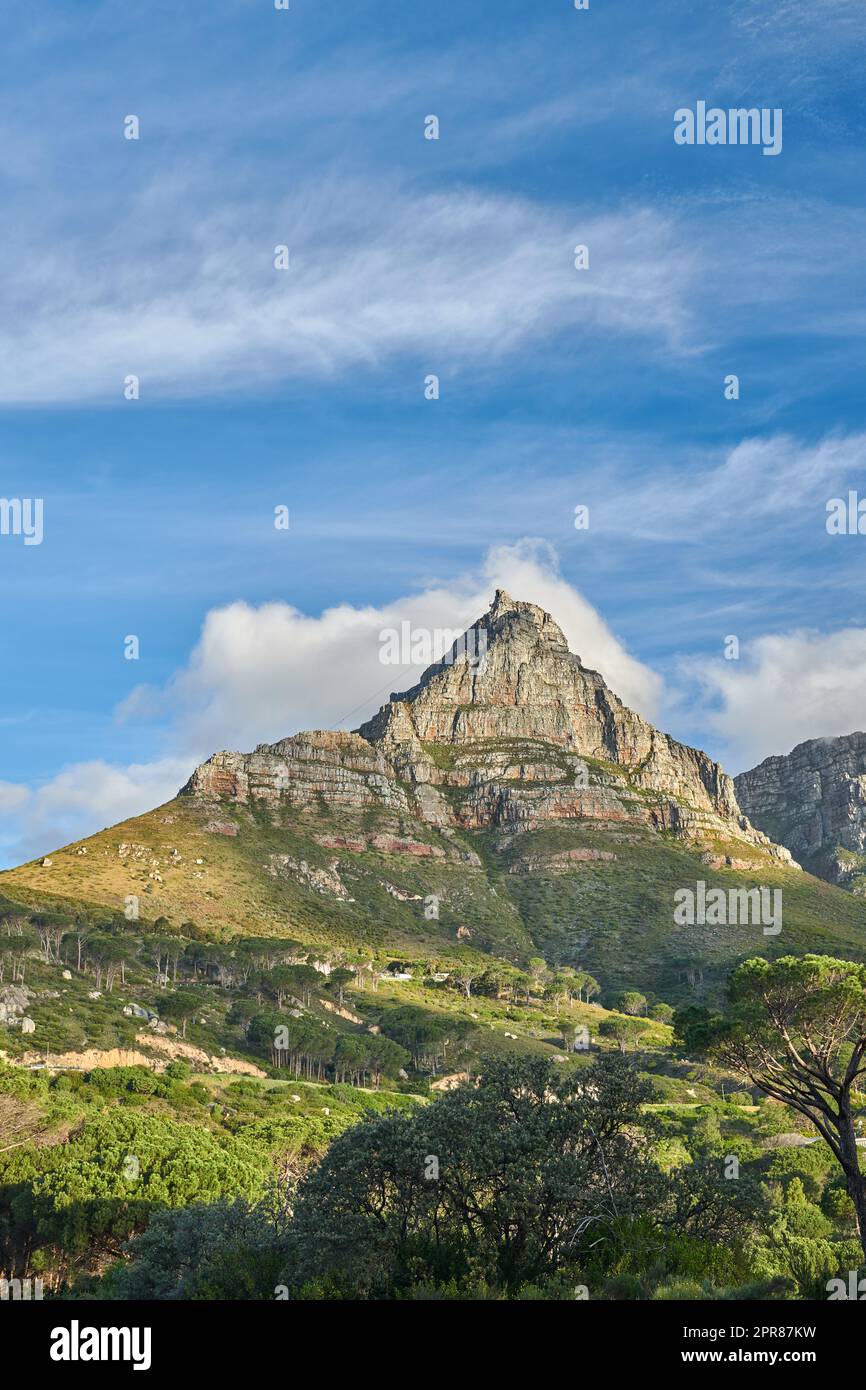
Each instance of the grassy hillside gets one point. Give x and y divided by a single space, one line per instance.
580 892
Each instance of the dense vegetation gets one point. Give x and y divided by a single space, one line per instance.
579 1150
530 1184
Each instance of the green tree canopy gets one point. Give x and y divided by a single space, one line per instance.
796 1028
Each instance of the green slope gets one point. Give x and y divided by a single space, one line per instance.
507 893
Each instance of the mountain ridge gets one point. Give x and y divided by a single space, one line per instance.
480 813
511 681
813 800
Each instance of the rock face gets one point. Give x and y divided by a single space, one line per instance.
510 730
13 1001
814 801
93 1057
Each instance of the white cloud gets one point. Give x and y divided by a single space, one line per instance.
81 799
784 689
777 478
258 674
12 796
374 272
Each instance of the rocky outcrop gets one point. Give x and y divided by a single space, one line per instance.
13 1002
92 1058
526 684
303 771
510 730
813 800
562 862
322 880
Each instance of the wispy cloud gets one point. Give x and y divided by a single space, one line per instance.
374 272
80 800
779 479
785 688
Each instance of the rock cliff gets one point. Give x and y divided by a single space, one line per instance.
813 800
509 729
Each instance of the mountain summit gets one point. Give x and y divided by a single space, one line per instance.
509 728
508 804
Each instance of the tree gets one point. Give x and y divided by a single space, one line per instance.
426 1036
178 1008
464 977
80 929
19 939
693 1028
301 1044
351 1058
304 981
99 950
537 968
387 1058
524 984
515 1176
796 1028
626 1031
564 985
631 1002
360 963
587 987
51 930
277 983
174 952
338 980
228 1249
158 951
108 954
662 1013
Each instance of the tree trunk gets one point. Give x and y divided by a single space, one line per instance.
855 1181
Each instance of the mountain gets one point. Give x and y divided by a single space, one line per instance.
813 800
510 731
508 803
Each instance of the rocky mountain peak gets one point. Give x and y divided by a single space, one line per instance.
508 618
496 733
510 675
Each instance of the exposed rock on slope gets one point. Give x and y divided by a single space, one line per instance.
509 807
517 735
813 800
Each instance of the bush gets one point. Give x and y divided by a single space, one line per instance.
681 1289
624 1287
228 1250
836 1204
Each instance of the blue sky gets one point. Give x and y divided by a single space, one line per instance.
409 257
